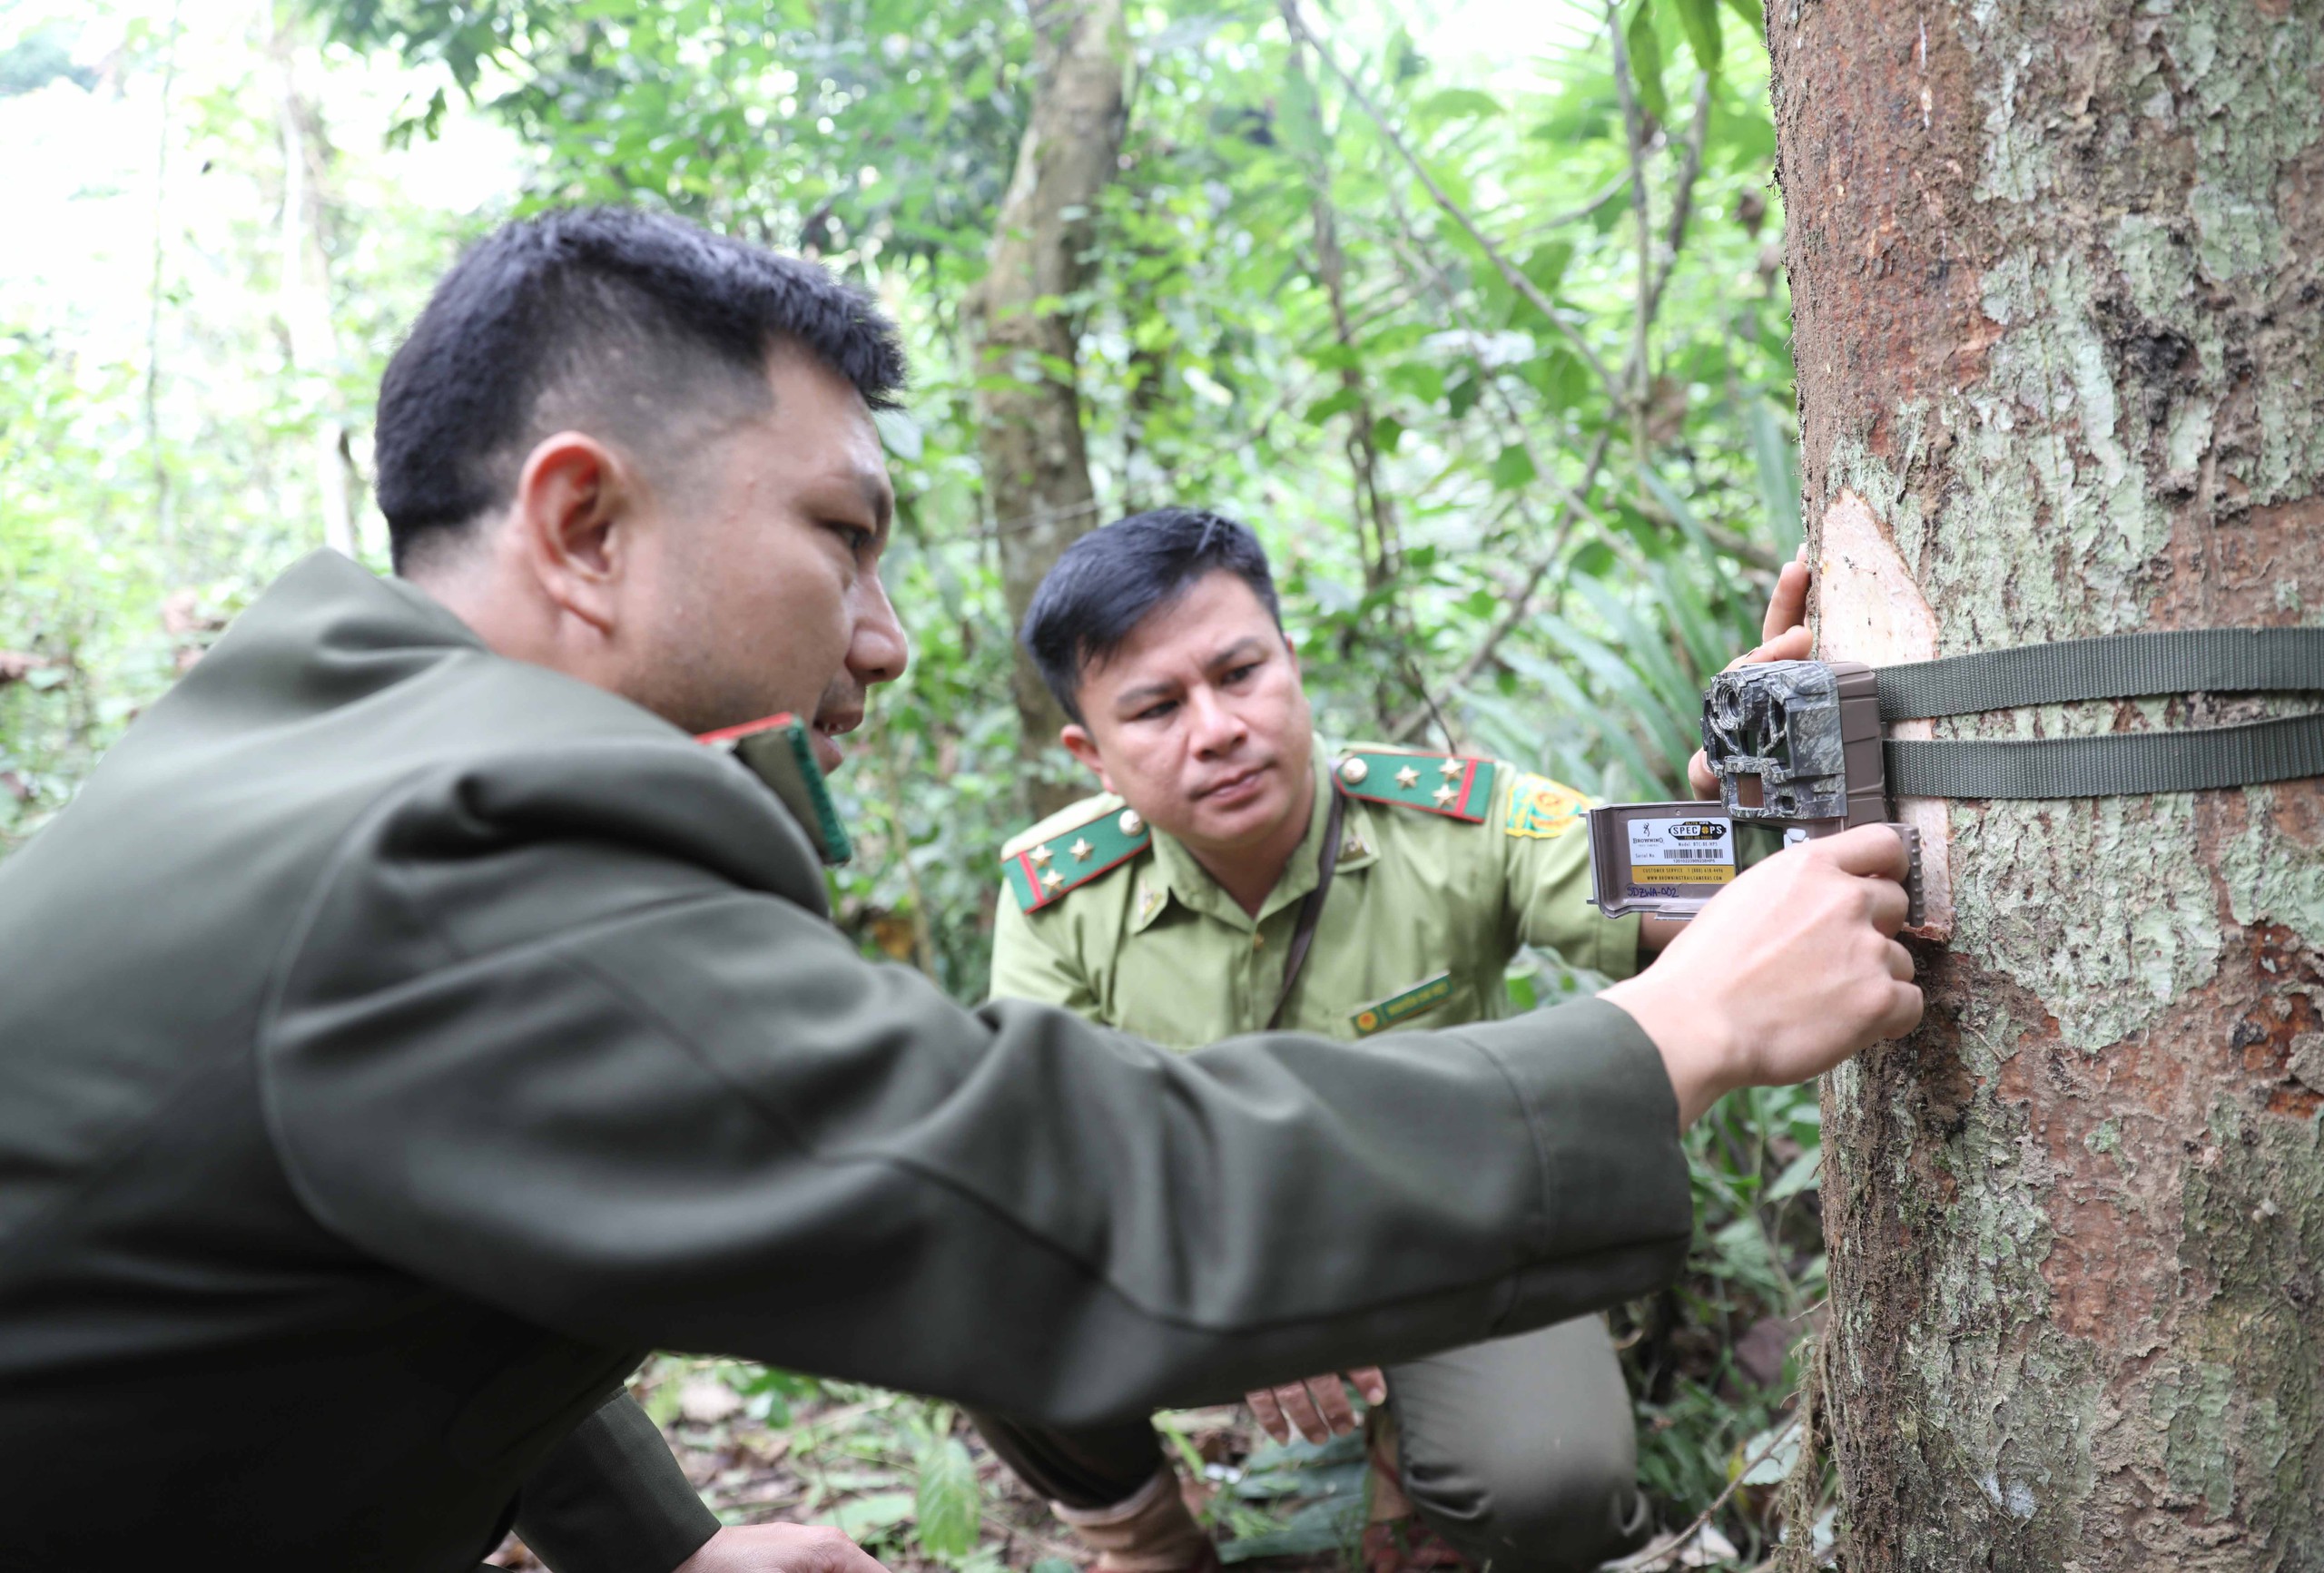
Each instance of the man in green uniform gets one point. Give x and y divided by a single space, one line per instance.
409 1024
1235 877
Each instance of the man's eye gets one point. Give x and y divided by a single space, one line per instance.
859 539
1240 672
1157 711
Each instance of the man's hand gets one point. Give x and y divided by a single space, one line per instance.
1782 636
1317 1409
1786 973
779 1549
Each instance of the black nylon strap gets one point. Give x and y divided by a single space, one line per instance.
2113 765
2122 666
1302 935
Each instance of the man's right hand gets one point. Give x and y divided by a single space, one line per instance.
779 1549
1785 974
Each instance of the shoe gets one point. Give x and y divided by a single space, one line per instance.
1151 1532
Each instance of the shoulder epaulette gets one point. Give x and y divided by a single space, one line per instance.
1455 787
1043 870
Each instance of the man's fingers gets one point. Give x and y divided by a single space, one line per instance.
1890 905
1370 1383
1698 776
1866 849
1792 645
1903 1011
1900 963
1788 605
1269 1414
1299 1409
1331 1402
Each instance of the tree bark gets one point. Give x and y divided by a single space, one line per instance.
303 284
1036 468
2060 332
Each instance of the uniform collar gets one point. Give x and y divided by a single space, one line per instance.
1175 875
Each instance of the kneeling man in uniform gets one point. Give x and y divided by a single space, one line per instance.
1235 876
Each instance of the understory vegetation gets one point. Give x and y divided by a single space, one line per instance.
1473 313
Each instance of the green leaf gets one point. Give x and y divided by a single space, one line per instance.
947 1502
1297 120
868 1518
899 434
1513 470
1545 265
1699 20
1459 103
1800 1176
1780 1446
1646 62
1776 474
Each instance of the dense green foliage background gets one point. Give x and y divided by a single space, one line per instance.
1558 329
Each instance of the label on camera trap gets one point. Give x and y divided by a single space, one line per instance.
1679 852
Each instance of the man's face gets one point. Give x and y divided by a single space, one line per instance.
1200 721
760 590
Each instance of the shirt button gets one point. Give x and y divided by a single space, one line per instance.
1259 940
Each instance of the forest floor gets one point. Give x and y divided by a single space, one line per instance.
762 1446
856 1457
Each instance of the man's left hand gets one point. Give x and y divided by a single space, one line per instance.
1317 1409
1782 636
779 1549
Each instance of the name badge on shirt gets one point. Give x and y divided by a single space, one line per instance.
1396 1008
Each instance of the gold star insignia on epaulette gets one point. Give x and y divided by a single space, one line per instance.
1045 872
1457 788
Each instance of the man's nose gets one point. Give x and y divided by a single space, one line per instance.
1216 728
880 651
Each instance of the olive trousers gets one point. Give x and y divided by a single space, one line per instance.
1521 1452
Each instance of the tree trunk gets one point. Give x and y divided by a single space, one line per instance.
302 292
2060 333
1036 470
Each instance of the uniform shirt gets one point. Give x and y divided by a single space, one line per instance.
397 1040
1417 931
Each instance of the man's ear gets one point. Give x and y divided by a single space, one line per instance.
1291 649
1083 747
574 497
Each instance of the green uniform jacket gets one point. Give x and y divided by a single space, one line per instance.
1425 912
397 1040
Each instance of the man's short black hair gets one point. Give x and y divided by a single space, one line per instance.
634 325
1112 579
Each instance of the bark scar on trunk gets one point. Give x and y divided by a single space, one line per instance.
1869 608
